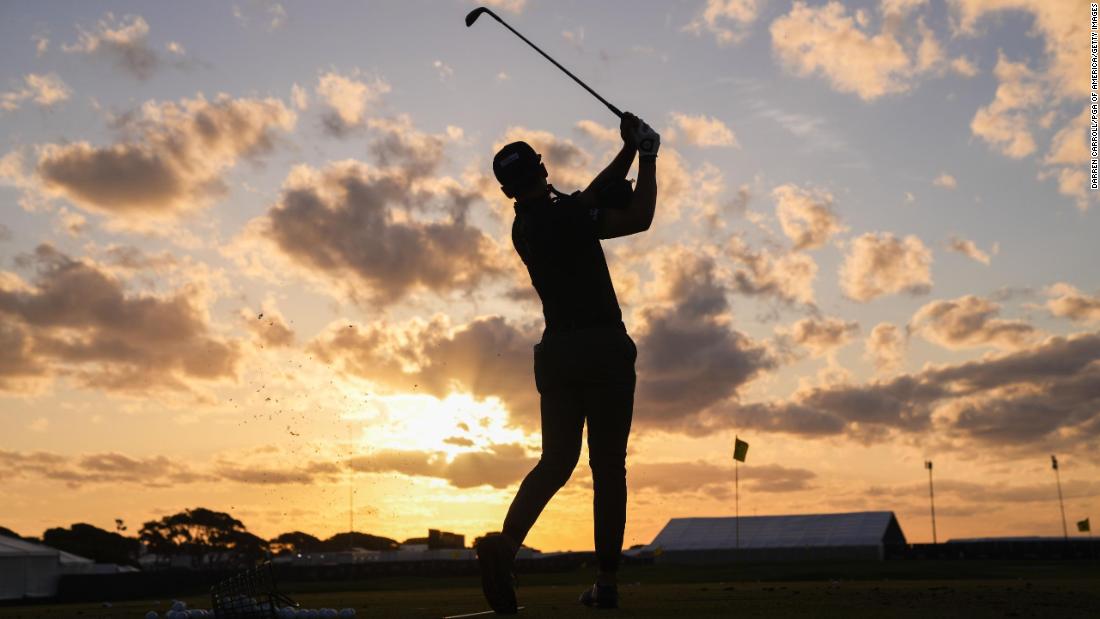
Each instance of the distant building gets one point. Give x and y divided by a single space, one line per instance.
856 535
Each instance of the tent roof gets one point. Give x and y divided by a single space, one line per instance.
801 530
10 546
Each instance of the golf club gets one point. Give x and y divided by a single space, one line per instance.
472 16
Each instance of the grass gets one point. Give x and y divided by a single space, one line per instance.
892 589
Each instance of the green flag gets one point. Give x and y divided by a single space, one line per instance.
1083 526
740 448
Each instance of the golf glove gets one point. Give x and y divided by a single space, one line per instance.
648 140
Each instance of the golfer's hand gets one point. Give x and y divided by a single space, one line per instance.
647 139
628 129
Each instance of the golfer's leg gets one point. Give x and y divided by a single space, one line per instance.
609 408
562 427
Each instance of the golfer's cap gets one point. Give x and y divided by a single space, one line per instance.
515 162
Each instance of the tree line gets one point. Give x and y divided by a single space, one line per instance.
205 536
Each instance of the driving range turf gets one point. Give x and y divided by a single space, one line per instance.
923 589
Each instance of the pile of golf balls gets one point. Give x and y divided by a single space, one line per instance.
179 610
315 613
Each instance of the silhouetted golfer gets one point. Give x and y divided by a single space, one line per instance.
584 365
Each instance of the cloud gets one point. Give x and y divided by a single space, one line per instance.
728 20
1068 158
788 277
1035 398
487 357
885 347
964 67
969 321
598 132
946 181
502 466
271 14
269 328
668 478
512 6
821 336
443 69
76 320
967 248
807 217
1004 123
399 144
1066 301
44 90
690 358
123 41
986 492
173 163
99 468
1058 23
704 131
41 43
299 97
880 264
348 99
340 223
828 41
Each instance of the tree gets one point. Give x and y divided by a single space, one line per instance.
200 533
344 541
8 532
94 543
295 542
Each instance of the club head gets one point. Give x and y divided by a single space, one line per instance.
472 16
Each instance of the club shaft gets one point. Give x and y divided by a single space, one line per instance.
611 107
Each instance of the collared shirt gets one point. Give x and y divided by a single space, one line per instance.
558 240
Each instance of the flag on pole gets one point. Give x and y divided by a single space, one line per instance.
928 464
1053 462
1083 526
740 449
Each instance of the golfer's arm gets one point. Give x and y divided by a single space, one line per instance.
639 215
617 169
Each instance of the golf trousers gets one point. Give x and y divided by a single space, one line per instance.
583 374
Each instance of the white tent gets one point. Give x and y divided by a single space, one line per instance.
789 537
27 570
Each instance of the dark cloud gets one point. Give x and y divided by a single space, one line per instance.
269 328
76 319
500 467
786 277
173 161
969 321
340 222
820 336
689 356
487 357
99 468
700 476
986 493
1048 394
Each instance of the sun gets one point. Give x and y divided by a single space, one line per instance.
454 424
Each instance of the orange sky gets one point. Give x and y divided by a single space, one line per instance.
874 245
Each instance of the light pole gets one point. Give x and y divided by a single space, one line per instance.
931 498
1061 504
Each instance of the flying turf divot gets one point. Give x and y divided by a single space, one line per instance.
483 613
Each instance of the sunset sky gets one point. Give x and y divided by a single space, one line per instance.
874 245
